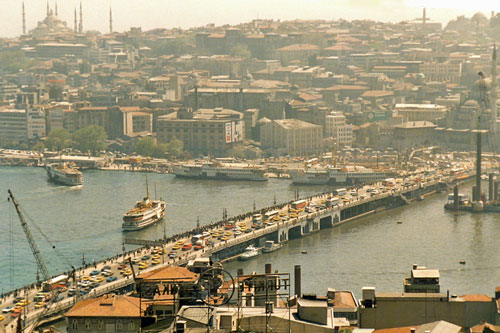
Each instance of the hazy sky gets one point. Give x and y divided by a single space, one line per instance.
188 13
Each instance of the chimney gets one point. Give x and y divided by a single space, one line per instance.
298 282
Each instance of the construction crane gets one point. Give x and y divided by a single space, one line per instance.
38 257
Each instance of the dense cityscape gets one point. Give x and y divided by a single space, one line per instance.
323 124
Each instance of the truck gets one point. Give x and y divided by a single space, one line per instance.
57 282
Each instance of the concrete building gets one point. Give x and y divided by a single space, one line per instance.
447 71
300 52
13 127
420 112
35 124
291 137
389 310
413 134
205 131
336 127
108 313
136 121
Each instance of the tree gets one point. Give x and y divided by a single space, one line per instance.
39 146
13 61
90 138
240 51
147 147
175 147
58 139
176 46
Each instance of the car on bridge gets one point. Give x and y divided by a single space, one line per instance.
94 272
111 279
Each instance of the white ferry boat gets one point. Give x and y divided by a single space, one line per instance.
144 213
250 252
211 170
65 174
335 176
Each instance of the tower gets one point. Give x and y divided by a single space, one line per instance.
76 26
110 21
48 10
80 27
494 86
24 21
424 18
56 7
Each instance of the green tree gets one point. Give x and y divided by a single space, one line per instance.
58 139
39 146
91 138
13 61
175 147
240 51
177 46
147 147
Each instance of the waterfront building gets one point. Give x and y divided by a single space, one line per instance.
204 131
291 137
36 127
136 121
13 127
108 313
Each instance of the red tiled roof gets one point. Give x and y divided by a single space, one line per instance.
299 47
106 306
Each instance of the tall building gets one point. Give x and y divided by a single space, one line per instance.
13 127
291 137
204 131
336 127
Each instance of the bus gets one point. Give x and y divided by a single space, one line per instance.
257 218
57 282
389 182
333 202
271 214
299 204
340 191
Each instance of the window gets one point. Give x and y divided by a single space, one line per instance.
131 325
101 324
87 324
74 324
118 324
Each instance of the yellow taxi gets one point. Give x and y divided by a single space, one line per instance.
23 303
228 233
39 305
243 228
225 238
176 247
143 265
2 317
156 256
179 242
127 272
216 235
155 262
86 278
293 215
99 279
282 214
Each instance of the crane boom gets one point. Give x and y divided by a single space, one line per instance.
31 241
39 260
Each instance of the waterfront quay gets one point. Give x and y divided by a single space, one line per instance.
289 227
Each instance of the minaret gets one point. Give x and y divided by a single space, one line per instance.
110 21
56 7
24 21
80 27
493 98
424 18
48 10
76 26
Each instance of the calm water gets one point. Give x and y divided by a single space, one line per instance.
86 221
371 251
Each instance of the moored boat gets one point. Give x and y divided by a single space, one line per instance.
250 252
270 246
64 173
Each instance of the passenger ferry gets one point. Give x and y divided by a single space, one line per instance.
65 174
211 170
144 213
335 176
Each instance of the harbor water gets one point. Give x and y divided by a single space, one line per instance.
373 251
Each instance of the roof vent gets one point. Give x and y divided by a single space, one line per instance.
107 300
